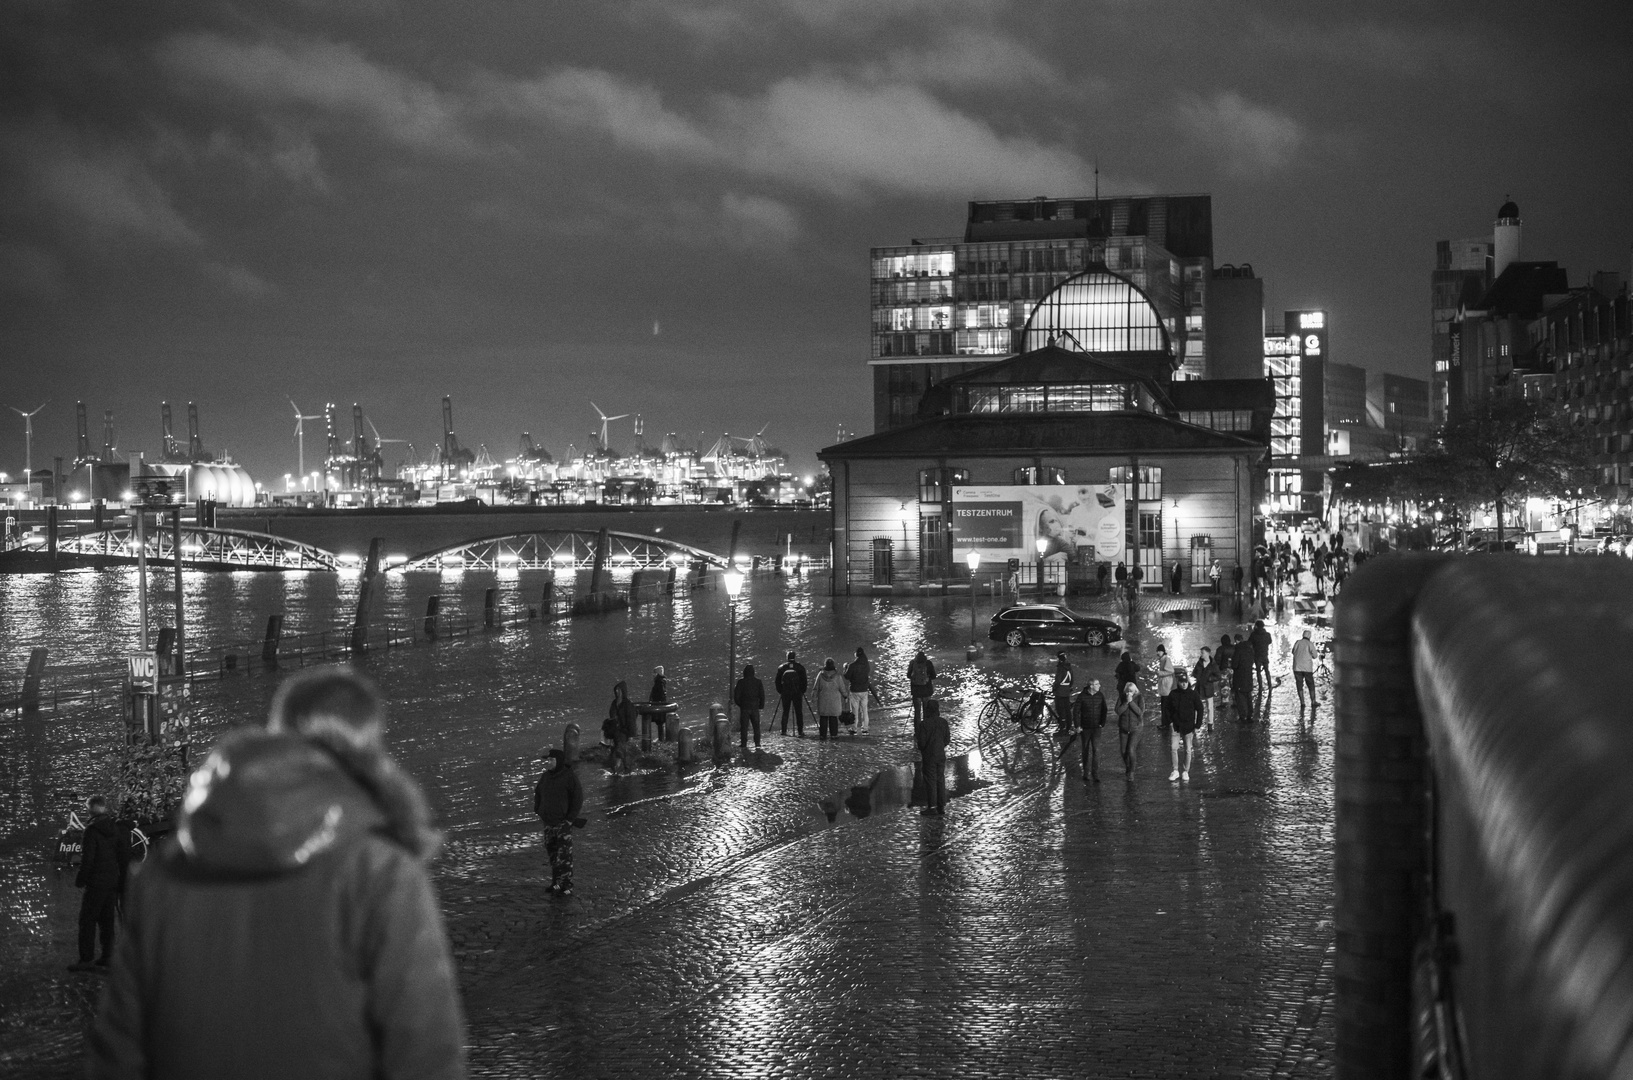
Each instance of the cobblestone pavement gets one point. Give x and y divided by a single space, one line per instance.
722 926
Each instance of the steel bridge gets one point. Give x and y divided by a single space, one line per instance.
201 549
560 549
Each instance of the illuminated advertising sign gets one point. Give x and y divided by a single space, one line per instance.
1307 331
1005 522
1282 345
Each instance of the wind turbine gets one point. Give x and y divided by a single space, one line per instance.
300 436
605 420
378 441
28 444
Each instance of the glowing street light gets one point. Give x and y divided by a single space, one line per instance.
734 585
973 559
1043 546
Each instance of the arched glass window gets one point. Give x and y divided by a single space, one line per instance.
1096 311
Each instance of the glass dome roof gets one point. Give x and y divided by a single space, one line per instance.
1095 311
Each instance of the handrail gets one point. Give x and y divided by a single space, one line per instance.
1484 862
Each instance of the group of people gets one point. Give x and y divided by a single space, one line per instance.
1280 563
622 725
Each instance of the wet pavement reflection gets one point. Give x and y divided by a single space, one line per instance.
722 925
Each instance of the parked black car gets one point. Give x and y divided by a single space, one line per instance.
1038 624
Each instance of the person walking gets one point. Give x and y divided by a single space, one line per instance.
791 684
749 697
290 927
1165 683
1241 666
1187 714
659 697
1130 718
1127 672
830 699
1304 671
1091 717
859 680
104 863
1063 688
931 735
1261 640
1205 682
921 683
557 799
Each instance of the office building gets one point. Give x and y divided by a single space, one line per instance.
1581 357
1461 276
1235 323
941 307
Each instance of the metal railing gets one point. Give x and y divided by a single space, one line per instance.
1484 857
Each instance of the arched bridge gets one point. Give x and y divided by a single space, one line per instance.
201 549
560 549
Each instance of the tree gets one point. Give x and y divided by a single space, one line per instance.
1502 450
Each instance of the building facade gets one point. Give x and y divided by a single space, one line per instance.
1582 357
1235 323
1461 276
944 306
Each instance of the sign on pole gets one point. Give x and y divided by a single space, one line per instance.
144 672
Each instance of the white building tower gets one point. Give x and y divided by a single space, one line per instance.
1506 238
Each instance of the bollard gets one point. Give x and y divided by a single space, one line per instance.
569 743
31 679
433 605
269 647
488 601
684 754
719 732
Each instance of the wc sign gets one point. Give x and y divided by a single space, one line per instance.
144 672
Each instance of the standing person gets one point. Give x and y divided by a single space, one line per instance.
830 699
1127 672
749 697
1261 640
1174 578
1304 671
1236 578
931 735
921 682
557 799
1241 665
1100 574
104 862
1122 576
659 695
1187 708
791 685
1130 716
1062 687
1091 717
1224 660
291 927
1205 682
624 720
1214 575
1165 683
859 679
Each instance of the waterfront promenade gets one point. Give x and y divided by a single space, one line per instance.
722 927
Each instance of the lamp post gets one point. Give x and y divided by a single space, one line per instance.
973 559
734 585
1043 545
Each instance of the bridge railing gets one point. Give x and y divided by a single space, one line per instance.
1484 857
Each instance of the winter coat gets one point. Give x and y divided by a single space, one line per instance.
1063 680
921 676
931 735
1260 639
748 694
660 691
623 712
1185 707
1205 677
104 857
1127 672
830 693
791 680
859 675
1165 676
558 796
1091 711
1130 713
288 928
1242 671
1303 655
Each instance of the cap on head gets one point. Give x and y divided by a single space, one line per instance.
790 656
329 700
658 670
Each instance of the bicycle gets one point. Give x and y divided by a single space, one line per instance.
1031 710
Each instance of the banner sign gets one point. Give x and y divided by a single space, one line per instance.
1005 522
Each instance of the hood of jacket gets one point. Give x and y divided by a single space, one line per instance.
269 803
103 826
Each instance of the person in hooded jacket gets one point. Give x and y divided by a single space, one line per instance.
625 721
1241 685
791 682
859 680
749 697
830 699
557 799
289 926
931 735
1261 641
659 696
921 682
1127 672
104 860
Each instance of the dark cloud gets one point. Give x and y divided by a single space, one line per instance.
387 202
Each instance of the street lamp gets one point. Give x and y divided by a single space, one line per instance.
973 559
1043 545
734 585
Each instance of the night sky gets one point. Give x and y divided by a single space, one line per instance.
667 205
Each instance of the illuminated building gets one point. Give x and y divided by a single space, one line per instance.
1295 362
944 306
